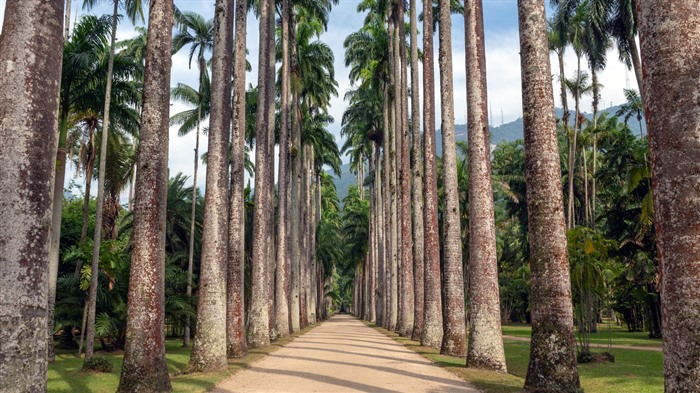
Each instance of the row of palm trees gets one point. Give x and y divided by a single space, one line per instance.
410 282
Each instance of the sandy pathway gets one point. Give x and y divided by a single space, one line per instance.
344 355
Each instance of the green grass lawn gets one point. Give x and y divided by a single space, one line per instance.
66 375
619 334
633 371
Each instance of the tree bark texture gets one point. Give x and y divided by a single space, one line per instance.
485 341
97 236
259 329
552 366
30 54
144 368
670 54
209 350
235 305
454 341
407 300
432 303
417 170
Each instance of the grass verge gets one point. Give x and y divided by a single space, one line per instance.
66 375
633 371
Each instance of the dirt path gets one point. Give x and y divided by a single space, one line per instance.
594 345
344 355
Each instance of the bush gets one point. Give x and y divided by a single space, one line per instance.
98 364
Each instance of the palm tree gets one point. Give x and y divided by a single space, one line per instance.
209 349
31 50
633 107
259 329
432 303
454 339
197 33
623 29
485 342
144 367
552 366
673 130
417 172
403 135
134 9
78 53
235 320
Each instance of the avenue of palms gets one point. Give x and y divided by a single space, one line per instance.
579 225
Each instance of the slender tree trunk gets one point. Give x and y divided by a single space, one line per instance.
88 185
296 154
571 218
596 102
372 251
417 170
670 86
407 299
396 162
394 190
432 303
30 51
270 105
552 366
144 368
454 340
379 197
66 21
209 349
235 310
283 268
304 238
259 329
485 342
636 64
387 210
193 216
97 238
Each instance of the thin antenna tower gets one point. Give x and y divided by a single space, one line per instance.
502 122
490 115
627 79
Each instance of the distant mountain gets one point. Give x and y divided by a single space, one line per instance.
507 132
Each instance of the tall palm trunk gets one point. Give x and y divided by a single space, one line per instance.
296 154
636 64
571 217
454 340
89 165
391 157
432 303
372 251
596 102
97 237
209 349
235 310
283 265
670 87
387 209
259 329
66 21
552 366
379 223
190 254
270 213
417 171
485 342
30 51
144 366
407 300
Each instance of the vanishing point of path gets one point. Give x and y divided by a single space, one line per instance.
344 355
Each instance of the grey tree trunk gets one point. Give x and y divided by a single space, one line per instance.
386 244
144 368
432 302
552 366
417 170
670 86
235 311
209 349
407 300
283 263
193 216
454 341
259 329
637 65
270 105
379 222
30 51
97 237
57 204
485 342
66 21
393 211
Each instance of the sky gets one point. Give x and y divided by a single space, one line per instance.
502 67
